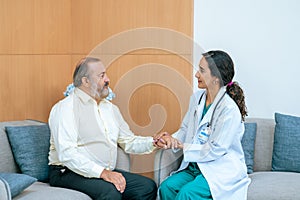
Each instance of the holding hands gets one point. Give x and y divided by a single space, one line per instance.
166 141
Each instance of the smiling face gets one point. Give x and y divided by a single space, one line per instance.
205 79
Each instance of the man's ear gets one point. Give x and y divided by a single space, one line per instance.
85 81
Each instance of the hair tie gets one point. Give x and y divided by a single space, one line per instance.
230 83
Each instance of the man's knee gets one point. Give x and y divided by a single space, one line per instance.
152 188
148 191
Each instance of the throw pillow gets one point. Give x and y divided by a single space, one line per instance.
17 182
30 147
248 144
286 156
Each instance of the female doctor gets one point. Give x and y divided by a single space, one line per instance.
213 165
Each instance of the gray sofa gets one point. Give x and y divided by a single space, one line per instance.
265 183
39 190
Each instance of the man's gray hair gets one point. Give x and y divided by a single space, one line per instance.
81 70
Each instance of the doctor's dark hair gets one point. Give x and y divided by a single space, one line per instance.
221 66
81 70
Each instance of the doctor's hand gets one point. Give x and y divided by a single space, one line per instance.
166 141
115 178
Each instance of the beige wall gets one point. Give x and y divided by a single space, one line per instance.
42 40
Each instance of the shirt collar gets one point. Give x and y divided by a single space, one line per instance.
84 97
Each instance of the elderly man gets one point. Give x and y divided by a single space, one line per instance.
85 131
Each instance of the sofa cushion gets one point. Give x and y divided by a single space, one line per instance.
44 191
248 143
274 186
17 182
286 156
4 190
263 149
7 162
30 147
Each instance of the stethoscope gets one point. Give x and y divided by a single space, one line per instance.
213 113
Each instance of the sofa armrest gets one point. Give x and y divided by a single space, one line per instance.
4 190
165 162
123 160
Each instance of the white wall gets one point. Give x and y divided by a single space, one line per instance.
263 38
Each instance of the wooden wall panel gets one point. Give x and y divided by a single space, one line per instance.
31 84
35 26
96 20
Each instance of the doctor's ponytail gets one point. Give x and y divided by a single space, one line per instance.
221 66
237 94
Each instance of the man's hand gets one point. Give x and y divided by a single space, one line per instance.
115 178
158 141
166 141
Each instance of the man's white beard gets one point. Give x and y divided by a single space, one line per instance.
103 93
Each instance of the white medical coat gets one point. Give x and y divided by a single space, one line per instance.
221 159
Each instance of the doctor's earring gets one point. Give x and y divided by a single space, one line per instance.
215 82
